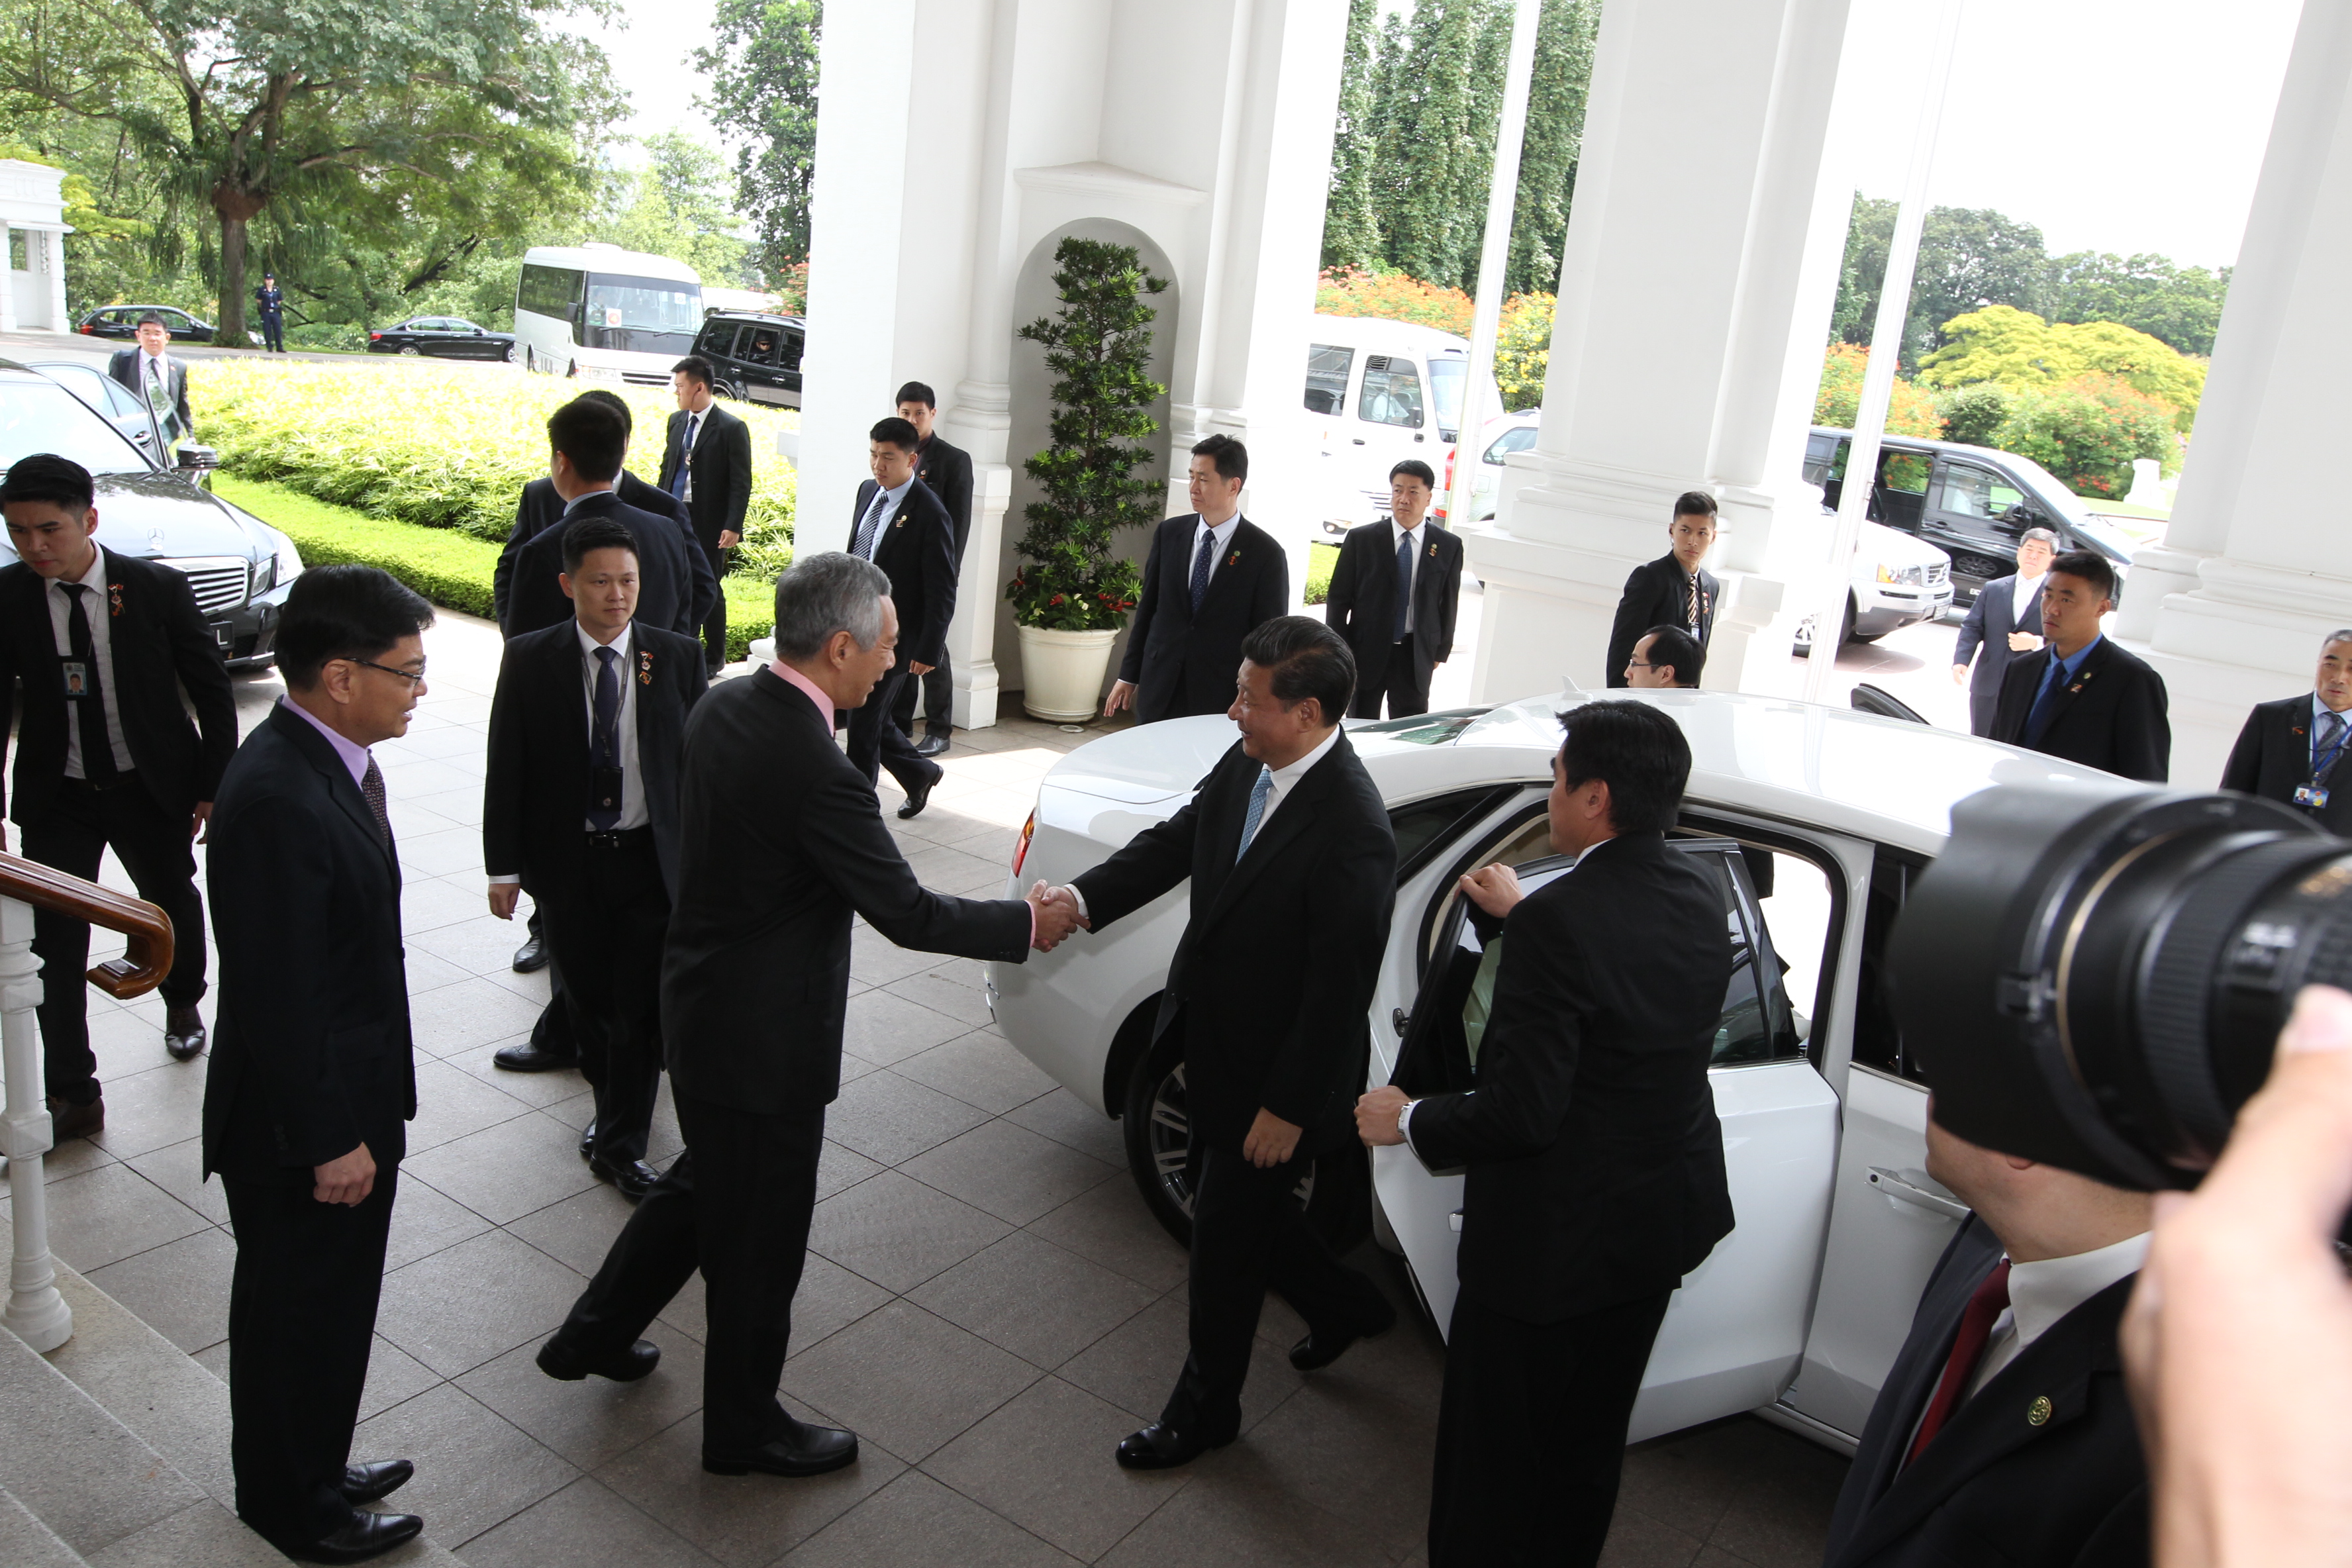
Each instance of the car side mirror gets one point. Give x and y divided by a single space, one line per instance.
197 459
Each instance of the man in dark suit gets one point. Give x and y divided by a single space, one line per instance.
587 442
946 472
539 508
2003 1432
1674 590
707 464
1293 869
2084 698
105 645
313 1078
900 526
1398 637
1666 659
1212 578
581 807
2003 623
2290 749
1595 1160
780 841
156 378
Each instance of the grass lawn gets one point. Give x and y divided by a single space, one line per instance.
450 568
1321 560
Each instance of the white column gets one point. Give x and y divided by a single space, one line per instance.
35 1313
2250 578
1697 277
54 242
8 294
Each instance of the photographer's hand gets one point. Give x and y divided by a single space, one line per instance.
2239 1338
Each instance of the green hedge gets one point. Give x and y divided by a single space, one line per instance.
1322 560
444 446
447 567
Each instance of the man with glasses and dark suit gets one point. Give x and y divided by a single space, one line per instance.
2004 624
2292 751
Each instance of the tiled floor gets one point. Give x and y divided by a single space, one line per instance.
987 1302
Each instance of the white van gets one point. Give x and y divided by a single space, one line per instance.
602 313
1379 392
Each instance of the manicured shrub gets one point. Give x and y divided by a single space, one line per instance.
1322 560
2088 431
1909 411
1976 414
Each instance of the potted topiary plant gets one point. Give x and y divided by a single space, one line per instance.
1071 593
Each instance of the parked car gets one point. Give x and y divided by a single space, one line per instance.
1815 823
757 354
240 566
122 322
445 337
1971 502
110 399
1377 392
1497 439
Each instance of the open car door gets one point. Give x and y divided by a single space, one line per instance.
1735 1330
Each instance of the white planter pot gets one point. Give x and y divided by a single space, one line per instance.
1061 673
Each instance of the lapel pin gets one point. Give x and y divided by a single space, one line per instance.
2038 1413
1234 559
645 669
114 599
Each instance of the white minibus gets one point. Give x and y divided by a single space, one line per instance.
602 313
1377 392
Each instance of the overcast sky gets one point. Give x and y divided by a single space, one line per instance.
2123 125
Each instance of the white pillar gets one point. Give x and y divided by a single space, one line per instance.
54 243
1695 286
35 1313
8 295
2250 578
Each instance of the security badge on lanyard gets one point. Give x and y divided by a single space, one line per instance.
76 677
2314 794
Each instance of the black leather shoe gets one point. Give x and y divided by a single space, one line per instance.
184 1032
920 796
367 1535
806 1451
1317 1350
529 1057
1160 1447
365 1483
625 1366
67 1120
933 742
588 1142
634 1177
530 957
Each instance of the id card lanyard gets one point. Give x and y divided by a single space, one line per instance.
2314 794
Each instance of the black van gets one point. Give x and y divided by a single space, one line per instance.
758 355
1971 503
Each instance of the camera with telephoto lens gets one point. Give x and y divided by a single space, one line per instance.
2095 978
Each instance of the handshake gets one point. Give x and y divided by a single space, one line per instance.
1057 914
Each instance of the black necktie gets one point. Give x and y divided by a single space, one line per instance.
97 750
604 742
371 787
1200 586
1404 584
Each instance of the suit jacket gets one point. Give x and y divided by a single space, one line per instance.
917 549
1182 664
1985 634
1656 595
159 645
722 471
946 472
1996 1486
666 579
1362 602
2273 759
311 1054
535 799
1595 1160
124 367
539 507
1272 984
2111 716
779 839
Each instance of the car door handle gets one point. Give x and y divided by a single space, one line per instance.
1400 1017
1893 1185
1359 441
1419 437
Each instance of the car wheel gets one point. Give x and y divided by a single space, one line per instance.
510 354
1336 1189
408 348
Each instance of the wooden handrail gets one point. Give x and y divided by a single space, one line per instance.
140 969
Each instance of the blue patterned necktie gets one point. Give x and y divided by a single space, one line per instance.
604 744
1404 583
1258 794
1201 558
2324 751
864 548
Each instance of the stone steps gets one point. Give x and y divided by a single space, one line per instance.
114 1451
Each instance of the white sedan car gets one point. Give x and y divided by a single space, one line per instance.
1817 821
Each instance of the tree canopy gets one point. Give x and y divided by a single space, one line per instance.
2020 352
762 81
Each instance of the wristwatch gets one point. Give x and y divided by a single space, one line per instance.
1404 1113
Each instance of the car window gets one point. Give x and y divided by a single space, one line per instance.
1392 392
1327 366
1904 471
761 346
1519 438
1964 490
1877 1039
789 356
1824 459
1424 827
180 319
37 417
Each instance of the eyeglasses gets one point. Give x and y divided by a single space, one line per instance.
414 677
1643 663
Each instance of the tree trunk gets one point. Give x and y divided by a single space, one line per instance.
231 330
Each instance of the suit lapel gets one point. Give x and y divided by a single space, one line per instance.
1296 816
345 794
2071 691
1240 553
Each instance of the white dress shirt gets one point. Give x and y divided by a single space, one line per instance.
1223 533
2041 1293
98 610
1398 536
633 781
2020 593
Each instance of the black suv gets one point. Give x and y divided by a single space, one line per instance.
1971 503
758 355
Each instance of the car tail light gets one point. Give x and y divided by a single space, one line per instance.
1021 850
376 337
88 329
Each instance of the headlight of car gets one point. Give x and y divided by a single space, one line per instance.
286 566
1910 574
